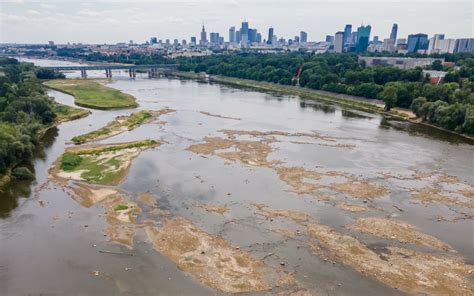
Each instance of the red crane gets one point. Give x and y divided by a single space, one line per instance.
298 74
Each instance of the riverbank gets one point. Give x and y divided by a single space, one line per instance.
93 93
362 104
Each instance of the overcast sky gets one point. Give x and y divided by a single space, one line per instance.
106 21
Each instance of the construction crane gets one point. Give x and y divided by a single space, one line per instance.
298 75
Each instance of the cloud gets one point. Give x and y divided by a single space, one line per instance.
33 12
87 12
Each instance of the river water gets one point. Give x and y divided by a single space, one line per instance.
45 248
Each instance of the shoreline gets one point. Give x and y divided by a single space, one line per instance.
315 95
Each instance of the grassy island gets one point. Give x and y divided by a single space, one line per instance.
93 94
120 125
104 164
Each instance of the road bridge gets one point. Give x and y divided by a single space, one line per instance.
153 70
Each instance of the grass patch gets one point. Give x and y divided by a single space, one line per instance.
121 207
68 113
92 94
114 127
95 166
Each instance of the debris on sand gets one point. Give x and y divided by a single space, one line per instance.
147 199
297 292
219 116
284 232
252 153
212 208
396 230
269 213
210 259
352 208
407 270
287 280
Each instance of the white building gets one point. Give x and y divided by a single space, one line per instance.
339 42
438 44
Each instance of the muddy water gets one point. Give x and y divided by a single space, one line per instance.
50 244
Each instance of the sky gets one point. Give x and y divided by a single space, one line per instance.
112 21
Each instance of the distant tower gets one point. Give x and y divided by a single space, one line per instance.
339 42
270 36
348 33
303 37
203 40
232 34
393 34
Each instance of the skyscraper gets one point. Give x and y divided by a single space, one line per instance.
417 42
347 33
393 34
329 39
270 36
339 42
203 40
214 38
244 33
464 45
363 35
232 34
252 36
303 37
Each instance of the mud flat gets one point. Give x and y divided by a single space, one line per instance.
270 213
99 164
396 230
210 259
120 125
404 269
353 208
212 208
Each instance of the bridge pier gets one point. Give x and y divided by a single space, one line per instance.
153 73
83 74
132 73
108 73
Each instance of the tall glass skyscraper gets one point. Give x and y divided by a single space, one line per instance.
347 33
393 34
303 37
232 34
244 33
270 36
363 35
417 42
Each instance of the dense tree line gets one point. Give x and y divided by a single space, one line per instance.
24 111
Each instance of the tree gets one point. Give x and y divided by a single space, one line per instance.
389 96
437 65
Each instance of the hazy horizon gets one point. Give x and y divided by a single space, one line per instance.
104 21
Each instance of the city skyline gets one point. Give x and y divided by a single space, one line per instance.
24 21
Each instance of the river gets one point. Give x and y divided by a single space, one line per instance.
45 247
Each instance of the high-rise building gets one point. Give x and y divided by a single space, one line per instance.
193 41
221 40
347 33
214 38
417 42
153 40
303 37
339 42
329 39
252 37
464 45
259 38
393 34
244 33
353 38
232 34
203 40
363 35
376 40
270 36
238 37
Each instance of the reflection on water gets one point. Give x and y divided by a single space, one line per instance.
326 108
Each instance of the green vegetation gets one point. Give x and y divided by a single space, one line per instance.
104 165
121 207
22 173
67 113
25 113
114 127
93 94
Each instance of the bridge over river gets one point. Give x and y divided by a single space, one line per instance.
153 70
